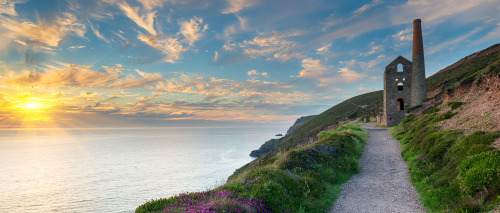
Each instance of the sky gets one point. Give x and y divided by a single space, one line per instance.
130 63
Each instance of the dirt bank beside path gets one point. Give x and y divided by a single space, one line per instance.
383 183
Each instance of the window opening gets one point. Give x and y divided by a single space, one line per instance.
400 67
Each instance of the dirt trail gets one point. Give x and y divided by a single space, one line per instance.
383 183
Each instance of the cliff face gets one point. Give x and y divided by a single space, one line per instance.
270 144
299 122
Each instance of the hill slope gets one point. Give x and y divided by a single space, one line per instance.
451 141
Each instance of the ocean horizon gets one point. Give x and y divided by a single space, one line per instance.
117 169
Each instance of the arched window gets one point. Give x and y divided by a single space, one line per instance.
400 67
401 104
400 86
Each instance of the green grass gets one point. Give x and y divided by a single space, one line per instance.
302 179
466 73
451 172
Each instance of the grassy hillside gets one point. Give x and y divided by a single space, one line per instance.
365 105
449 140
304 179
307 133
468 70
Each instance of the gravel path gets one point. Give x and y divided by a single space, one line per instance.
383 183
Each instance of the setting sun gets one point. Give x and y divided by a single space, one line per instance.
32 109
31 106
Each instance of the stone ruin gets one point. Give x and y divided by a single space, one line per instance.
404 82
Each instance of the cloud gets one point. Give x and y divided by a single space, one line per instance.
234 29
69 75
432 12
349 76
145 21
366 7
314 70
76 47
151 4
95 29
216 57
235 6
374 49
8 7
256 73
274 46
82 76
404 35
132 82
45 32
170 47
192 29
453 42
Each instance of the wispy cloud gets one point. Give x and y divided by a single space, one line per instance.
235 6
453 42
76 47
234 29
274 46
82 76
404 35
48 32
95 30
170 47
314 70
132 81
216 57
366 7
146 21
432 12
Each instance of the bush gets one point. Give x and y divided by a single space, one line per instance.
480 172
430 111
455 105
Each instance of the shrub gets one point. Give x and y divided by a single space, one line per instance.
430 111
481 171
455 105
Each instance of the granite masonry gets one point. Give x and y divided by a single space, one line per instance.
404 82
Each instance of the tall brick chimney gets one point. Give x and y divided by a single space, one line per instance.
418 85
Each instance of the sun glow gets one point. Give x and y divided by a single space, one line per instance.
33 109
31 106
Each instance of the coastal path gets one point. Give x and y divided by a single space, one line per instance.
383 184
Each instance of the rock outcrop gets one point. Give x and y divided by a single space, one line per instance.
270 144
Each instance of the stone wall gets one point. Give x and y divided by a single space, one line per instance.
397 90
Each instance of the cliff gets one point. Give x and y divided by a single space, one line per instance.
299 122
270 144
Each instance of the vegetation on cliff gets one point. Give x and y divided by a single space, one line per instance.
451 171
299 122
301 179
449 140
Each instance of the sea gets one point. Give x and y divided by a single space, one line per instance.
116 170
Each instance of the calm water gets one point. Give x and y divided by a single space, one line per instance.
115 170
